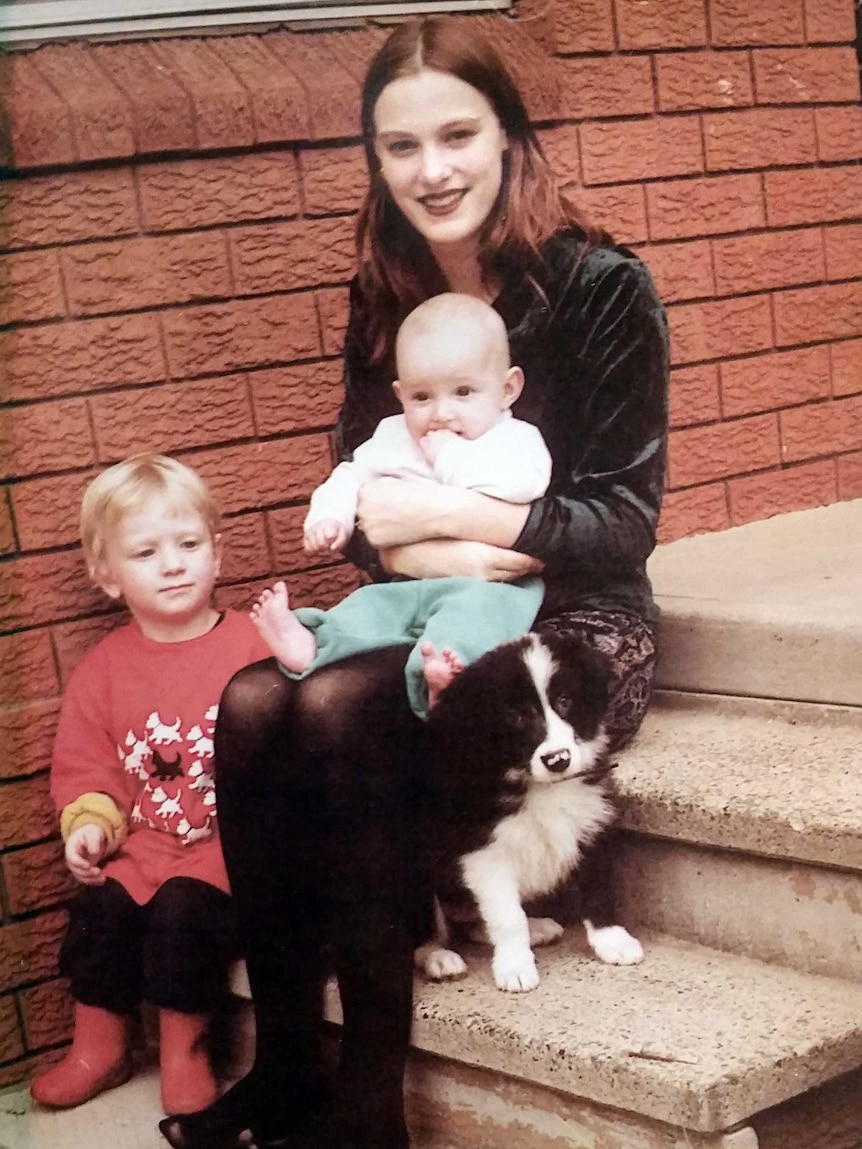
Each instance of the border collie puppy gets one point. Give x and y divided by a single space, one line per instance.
518 798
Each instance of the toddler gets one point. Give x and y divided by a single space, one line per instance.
132 778
456 387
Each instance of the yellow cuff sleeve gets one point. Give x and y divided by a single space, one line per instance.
99 810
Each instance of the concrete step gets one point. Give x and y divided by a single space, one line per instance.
743 824
771 610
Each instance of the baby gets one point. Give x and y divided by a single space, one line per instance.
456 387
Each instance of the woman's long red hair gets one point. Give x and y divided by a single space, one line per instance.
397 270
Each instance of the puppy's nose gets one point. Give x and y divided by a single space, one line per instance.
557 761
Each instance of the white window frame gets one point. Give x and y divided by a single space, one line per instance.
26 23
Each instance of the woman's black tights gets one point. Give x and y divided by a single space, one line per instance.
315 785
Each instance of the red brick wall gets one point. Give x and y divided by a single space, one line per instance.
178 226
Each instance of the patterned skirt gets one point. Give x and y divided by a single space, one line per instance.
630 644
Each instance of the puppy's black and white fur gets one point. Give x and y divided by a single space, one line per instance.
519 797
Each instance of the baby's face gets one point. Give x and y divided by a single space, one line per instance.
453 384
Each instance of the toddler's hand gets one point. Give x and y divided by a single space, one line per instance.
324 537
432 443
85 848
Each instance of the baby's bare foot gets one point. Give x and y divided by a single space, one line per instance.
439 670
293 644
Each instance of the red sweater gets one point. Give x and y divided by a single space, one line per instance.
137 725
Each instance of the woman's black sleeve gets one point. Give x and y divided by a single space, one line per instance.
609 363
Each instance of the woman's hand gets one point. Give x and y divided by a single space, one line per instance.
394 512
437 558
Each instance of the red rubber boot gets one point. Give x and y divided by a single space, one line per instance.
187 1079
98 1059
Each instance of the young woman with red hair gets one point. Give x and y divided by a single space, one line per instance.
315 778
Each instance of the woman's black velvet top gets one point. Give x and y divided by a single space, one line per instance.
595 361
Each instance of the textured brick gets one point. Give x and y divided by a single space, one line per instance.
162 111
45 437
661 23
231 336
287 256
27 667
605 86
829 20
264 474
759 138
36 878
61 359
279 100
8 543
843 251
74 639
28 950
42 210
620 209
246 550
285 530
218 190
681 208
770 259
704 454
100 117
332 91
839 133
821 429
680 270
48 1013
846 367
627 150
693 512
690 80
30 287
806 75
26 812
11 1041
716 329
850 476
776 380
813 196
298 398
46 510
222 106
26 737
323 587
44 588
333 179
172 417
37 128
741 22
533 71
811 314
758 497
562 149
131 274
587 26
333 308
694 395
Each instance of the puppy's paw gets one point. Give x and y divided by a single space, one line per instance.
515 972
440 964
614 945
543 931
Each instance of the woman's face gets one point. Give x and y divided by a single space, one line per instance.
440 146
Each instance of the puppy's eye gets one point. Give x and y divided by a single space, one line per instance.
563 704
517 719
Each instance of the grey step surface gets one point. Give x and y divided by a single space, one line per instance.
772 609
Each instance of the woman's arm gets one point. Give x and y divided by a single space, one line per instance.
437 558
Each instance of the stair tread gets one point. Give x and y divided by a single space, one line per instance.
771 779
692 1036
771 609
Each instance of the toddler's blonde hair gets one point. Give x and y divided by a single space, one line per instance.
125 488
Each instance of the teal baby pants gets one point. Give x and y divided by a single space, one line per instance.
467 615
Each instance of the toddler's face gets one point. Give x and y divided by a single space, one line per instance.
453 383
163 562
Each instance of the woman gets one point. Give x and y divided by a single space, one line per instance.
315 778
